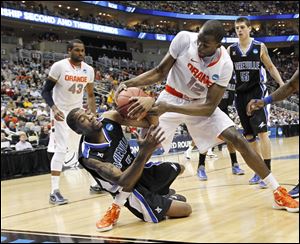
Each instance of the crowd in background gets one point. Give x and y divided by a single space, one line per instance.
195 7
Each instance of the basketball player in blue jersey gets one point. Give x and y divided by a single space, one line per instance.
248 56
281 93
105 154
198 70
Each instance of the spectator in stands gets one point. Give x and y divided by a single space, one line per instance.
23 144
5 143
27 103
44 136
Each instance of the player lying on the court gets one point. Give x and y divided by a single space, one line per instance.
106 155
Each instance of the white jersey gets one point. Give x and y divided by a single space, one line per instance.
71 81
191 75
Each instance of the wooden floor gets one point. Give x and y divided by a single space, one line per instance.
225 208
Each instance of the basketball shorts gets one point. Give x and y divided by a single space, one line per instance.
62 137
203 130
146 200
258 122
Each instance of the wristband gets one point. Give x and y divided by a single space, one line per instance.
268 100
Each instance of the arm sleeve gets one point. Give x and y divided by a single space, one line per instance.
46 92
179 44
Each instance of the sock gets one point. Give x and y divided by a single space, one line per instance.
268 163
54 183
201 160
233 158
189 150
121 198
271 181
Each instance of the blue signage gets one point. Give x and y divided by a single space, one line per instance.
187 16
68 23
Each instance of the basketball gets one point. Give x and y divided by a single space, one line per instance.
122 100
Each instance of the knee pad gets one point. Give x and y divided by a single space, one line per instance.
57 161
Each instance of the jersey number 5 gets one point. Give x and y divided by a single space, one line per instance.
76 88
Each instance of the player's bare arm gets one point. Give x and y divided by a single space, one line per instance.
150 77
214 96
130 176
91 97
46 94
265 58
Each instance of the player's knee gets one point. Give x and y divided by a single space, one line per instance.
182 168
179 209
57 161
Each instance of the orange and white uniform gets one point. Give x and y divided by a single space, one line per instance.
188 82
67 94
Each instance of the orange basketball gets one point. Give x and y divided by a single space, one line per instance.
123 99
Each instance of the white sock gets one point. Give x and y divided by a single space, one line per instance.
271 181
54 183
121 198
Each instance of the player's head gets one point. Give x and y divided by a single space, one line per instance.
242 27
83 122
209 38
76 50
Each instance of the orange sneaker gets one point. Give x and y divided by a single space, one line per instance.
282 200
110 218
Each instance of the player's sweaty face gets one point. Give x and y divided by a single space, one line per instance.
242 30
87 121
207 45
77 53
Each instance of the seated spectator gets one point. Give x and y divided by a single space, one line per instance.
44 136
27 103
23 144
5 143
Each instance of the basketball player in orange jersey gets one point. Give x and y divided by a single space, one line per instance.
281 93
199 69
248 57
68 78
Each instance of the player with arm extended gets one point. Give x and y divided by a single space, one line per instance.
105 154
198 69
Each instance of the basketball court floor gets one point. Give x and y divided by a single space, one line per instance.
225 207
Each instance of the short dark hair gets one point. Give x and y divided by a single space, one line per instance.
243 19
214 28
70 44
72 120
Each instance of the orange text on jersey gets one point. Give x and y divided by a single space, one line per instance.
76 78
199 75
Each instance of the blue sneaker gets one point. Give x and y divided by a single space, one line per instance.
201 173
57 199
254 180
294 193
236 170
262 185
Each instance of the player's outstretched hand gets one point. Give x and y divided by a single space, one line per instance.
254 104
152 139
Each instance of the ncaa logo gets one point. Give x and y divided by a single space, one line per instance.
255 51
84 71
109 127
215 77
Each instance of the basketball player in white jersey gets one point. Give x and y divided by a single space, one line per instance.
199 69
68 79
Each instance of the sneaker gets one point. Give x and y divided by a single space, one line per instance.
57 199
254 180
96 189
201 173
177 197
282 200
262 185
236 170
171 192
187 154
294 193
110 218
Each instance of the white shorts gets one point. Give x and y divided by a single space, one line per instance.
204 130
62 137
